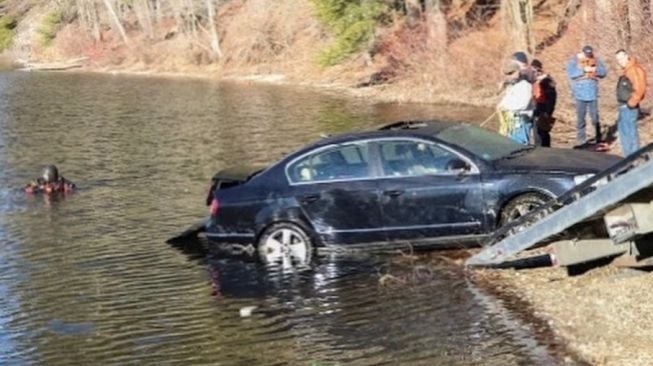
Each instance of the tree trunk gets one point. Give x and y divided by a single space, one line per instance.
517 16
158 11
635 20
142 12
413 12
191 19
437 31
571 9
94 16
81 11
116 21
179 17
216 52
609 25
646 13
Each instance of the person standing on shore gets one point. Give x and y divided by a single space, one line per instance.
631 89
584 71
516 106
545 96
525 70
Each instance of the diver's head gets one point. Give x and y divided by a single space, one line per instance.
50 174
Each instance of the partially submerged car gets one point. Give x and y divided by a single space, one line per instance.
423 183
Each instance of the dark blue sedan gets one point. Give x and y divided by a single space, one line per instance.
410 183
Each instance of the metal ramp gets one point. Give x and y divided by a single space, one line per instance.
593 199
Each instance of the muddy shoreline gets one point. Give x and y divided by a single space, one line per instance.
602 317
527 312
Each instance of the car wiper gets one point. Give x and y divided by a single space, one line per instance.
519 152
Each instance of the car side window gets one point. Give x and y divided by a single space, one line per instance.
410 158
338 163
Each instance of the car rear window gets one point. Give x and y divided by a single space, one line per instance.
484 143
336 163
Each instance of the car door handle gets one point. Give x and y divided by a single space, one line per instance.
394 193
310 198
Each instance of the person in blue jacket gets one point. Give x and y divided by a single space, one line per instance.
584 71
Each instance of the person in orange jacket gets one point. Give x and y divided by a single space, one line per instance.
631 89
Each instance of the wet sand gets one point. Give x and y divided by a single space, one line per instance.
605 316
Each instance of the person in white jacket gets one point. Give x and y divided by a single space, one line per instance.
516 106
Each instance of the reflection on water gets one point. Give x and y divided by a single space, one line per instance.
89 280
337 311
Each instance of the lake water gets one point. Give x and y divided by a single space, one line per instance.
89 280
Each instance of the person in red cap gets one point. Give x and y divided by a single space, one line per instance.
584 71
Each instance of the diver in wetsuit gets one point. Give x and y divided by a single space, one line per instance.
50 182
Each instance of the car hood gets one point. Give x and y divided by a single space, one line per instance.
558 160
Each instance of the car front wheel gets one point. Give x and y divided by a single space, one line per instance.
520 206
285 244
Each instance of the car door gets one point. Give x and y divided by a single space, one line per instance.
428 191
335 189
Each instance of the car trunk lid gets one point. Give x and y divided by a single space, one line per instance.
231 177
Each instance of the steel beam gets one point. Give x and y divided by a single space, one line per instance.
599 201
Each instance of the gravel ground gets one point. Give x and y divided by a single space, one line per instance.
605 316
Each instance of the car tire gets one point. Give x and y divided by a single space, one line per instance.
285 244
519 206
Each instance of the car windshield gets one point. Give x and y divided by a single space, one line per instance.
481 142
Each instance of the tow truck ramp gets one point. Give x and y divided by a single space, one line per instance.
610 214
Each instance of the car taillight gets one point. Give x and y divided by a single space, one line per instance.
209 194
214 207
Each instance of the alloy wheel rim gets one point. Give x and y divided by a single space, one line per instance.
521 210
286 247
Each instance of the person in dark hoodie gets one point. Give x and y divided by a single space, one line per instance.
545 96
49 182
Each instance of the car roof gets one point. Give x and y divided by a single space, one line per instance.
401 128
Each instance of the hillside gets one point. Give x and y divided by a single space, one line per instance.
407 50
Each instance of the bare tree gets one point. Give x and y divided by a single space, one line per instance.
89 17
177 13
517 16
158 11
116 21
216 52
144 16
413 11
191 18
638 10
610 24
571 9
437 30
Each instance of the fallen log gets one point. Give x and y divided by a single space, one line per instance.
53 66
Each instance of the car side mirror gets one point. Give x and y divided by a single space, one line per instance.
458 165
